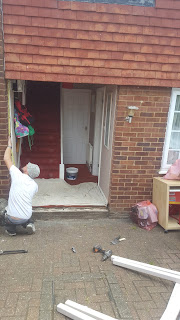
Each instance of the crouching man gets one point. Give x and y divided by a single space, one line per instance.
22 190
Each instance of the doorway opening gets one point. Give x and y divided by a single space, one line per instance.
69 124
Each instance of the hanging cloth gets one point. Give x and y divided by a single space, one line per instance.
31 136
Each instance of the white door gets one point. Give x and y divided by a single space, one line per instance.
107 140
76 106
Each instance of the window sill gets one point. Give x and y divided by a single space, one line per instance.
163 171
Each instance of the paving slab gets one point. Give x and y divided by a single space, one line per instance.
32 284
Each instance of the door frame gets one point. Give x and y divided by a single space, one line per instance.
113 91
98 132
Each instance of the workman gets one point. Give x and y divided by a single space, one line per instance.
22 190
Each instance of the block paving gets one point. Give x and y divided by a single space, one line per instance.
32 284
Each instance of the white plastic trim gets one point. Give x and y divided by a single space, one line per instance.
145 265
173 307
88 311
147 269
72 313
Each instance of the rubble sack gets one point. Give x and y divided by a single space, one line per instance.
145 215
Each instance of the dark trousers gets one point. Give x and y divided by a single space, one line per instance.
11 226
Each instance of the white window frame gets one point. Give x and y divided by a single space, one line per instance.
164 166
107 127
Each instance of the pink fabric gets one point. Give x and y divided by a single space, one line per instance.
174 171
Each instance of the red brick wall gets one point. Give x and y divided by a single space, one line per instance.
69 41
4 182
137 149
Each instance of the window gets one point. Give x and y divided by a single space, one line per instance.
171 151
143 3
107 119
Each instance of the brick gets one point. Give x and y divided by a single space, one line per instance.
15 48
32 11
59 52
83 6
46 12
44 51
15 66
12 75
45 68
8 29
14 10
18 30
51 23
8 19
64 61
64 5
51 60
100 27
20 39
65 24
26 58
38 22
44 3
12 57
70 15
18 2
38 41
26 76
32 49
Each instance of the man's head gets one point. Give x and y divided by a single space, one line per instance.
32 170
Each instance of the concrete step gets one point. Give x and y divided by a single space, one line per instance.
44 213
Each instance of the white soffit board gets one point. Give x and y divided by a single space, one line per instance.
145 265
147 269
88 311
72 313
173 307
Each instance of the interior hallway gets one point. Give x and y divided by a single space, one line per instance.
57 192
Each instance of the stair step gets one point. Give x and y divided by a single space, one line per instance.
43 157
61 212
41 149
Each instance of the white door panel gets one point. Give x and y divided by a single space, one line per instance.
75 125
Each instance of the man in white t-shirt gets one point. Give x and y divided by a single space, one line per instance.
23 188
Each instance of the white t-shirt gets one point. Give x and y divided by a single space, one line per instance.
22 190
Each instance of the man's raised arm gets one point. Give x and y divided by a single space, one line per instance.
7 154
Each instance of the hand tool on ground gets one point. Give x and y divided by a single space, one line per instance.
117 239
12 252
106 253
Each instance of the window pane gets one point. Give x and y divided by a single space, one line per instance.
176 122
172 156
175 140
177 107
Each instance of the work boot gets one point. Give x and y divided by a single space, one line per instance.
30 228
10 233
